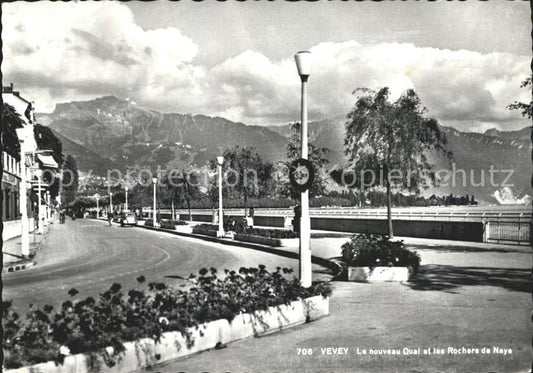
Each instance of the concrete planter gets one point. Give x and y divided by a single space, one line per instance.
378 274
205 232
276 242
146 352
184 228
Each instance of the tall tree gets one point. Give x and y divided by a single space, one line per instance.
70 180
390 141
245 172
527 109
182 187
47 140
10 122
317 156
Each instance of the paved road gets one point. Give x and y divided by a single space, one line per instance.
465 296
89 255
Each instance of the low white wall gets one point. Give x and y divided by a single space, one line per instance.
378 274
276 242
172 345
13 228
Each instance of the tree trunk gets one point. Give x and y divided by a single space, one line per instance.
189 207
389 208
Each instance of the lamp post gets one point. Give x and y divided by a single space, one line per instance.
220 233
126 207
40 215
154 214
303 64
48 207
110 203
97 196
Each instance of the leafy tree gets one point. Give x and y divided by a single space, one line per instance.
70 180
182 187
10 122
317 156
527 109
47 140
390 140
246 173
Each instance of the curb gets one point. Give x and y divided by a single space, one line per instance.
25 263
335 267
18 266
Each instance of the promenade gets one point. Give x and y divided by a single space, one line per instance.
467 299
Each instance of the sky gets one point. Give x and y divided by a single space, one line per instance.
465 60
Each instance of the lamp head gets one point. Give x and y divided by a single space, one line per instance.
303 64
154 180
220 160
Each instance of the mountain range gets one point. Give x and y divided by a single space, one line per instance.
112 133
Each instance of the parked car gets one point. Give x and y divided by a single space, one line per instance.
128 218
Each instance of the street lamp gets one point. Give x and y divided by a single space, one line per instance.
154 215
40 215
126 207
303 64
48 207
220 233
110 203
97 196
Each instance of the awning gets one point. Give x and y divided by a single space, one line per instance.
48 161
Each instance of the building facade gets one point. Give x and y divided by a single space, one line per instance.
17 115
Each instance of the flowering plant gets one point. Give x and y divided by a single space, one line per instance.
364 250
89 325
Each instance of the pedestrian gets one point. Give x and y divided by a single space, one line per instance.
109 217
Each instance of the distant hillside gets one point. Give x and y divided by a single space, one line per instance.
109 132
472 152
131 135
86 159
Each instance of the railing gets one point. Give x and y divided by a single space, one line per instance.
500 227
380 214
508 231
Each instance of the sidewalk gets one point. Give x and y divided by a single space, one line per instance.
466 296
13 259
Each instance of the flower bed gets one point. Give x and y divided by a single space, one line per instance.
171 224
271 233
147 352
276 242
91 326
272 237
206 229
376 258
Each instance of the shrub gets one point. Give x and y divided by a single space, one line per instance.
149 223
375 250
206 227
89 325
271 233
171 224
235 224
